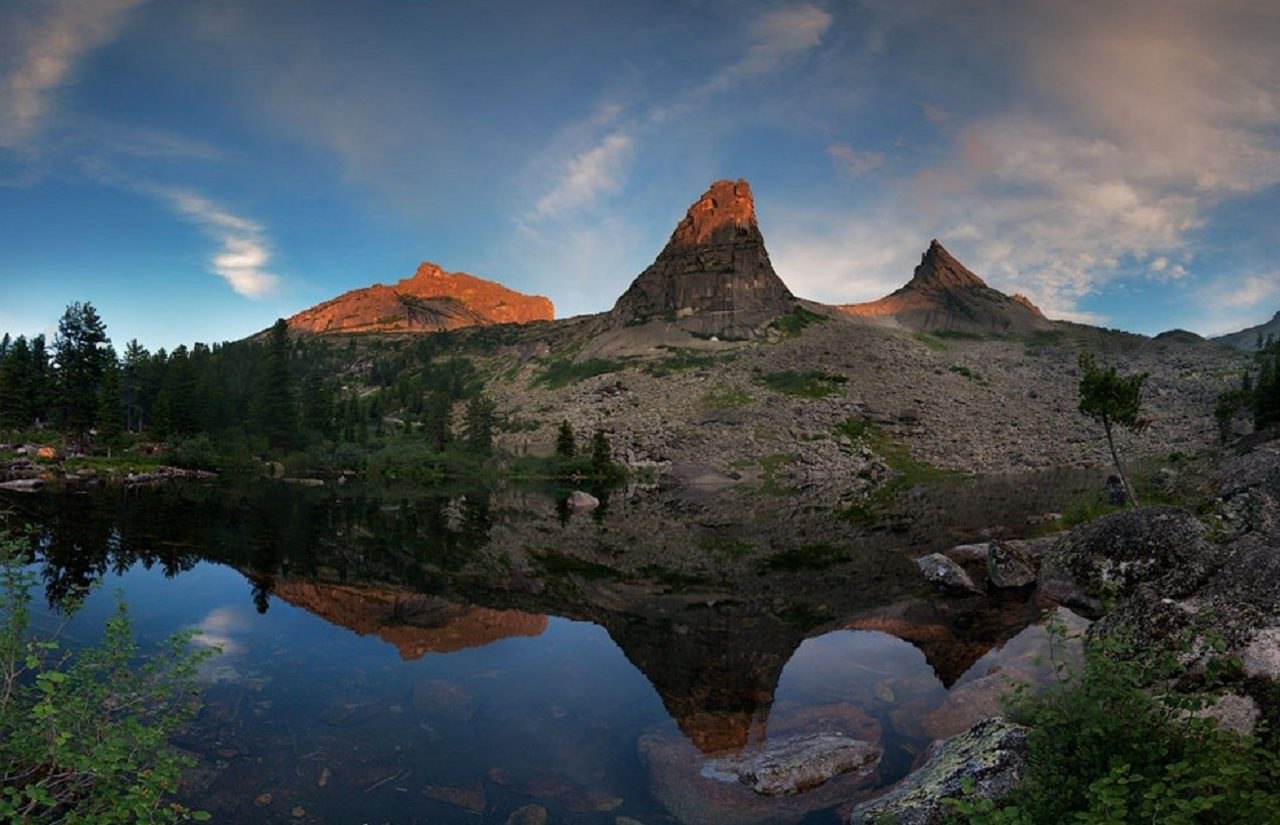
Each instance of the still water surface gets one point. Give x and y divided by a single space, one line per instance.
395 656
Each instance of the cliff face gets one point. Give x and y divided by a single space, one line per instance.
944 296
714 276
431 301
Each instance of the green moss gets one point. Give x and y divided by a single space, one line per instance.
909 471
769 466
724 398
562 372
794 322
808 384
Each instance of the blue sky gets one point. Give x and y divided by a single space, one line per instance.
197 169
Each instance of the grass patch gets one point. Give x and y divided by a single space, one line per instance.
727 548
908 470
795 321
958 335
805 557
562 372
1043 338
961 369
556 563
769 466
932 342
682 360
115 466
725 398
808 384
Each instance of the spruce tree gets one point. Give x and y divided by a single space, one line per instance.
565 444
110 424
601 455
480 414
80 357
276 413
16 390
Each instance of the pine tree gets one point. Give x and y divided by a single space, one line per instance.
565 444
435 419
1112 400
480 415
601 455
16 390
276 415
110 424
81 359
132 381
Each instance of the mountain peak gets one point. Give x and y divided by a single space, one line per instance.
939 269
726 206
714 276
431 300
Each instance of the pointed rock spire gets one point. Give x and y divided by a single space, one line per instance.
714 276
939 269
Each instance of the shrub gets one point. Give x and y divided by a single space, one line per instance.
808 384
84 735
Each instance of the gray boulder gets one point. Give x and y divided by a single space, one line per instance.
1009 565
992 754
579 500
796 764
946 574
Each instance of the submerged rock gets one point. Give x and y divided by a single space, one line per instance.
992 755
946 574
797 764
580 501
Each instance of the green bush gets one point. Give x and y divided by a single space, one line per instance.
1117 743
808 384
563 372
84 735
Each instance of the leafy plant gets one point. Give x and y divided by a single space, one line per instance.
84 735
1113 400
808 384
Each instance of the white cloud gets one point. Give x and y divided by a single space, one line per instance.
1234 304
776 37
41 52
851 162
244 254
588 175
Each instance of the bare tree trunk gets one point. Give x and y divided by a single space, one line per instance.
1115 456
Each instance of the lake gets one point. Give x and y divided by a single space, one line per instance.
401 655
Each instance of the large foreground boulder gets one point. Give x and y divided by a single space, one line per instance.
992 755
1160 547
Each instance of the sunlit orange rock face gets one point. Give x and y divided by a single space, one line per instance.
415 624
714 276
944 296
431 301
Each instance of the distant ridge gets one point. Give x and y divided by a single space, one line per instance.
432 300
1247 339
944 296
714 276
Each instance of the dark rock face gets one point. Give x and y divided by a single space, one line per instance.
1159 547
714 276
993 754
944 296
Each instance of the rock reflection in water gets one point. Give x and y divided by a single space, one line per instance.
406 668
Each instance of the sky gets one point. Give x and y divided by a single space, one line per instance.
198 168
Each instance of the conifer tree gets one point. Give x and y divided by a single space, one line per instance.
110 423
80 357
1112 400
601 455
480 415
566 446
16 386
276 414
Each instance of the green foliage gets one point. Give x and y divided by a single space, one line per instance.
808 384
805 557
795 321
1112 400
562 372
932 342
82 356
110 408
602 465
566 446
480 418
275 415
961 369
1118 743
724 398
682 360
86 732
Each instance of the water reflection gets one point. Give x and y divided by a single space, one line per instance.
401 657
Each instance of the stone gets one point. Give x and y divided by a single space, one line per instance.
262 800
944 296
946 574
1162 547
1262 655
580 501
714 276
965 553
992 755
1236 713
794 765
1009 566
470 798
432 300
528 815
298 812
22 485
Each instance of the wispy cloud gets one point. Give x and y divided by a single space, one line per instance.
244 252
1234 303
43 48
776 37
594 172
851 162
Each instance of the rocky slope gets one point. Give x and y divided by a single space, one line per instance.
1247 339
714 276
431 301
944 296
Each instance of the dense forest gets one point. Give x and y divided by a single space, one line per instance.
412 410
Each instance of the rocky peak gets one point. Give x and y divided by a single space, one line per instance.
431 300
939 269
714 276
